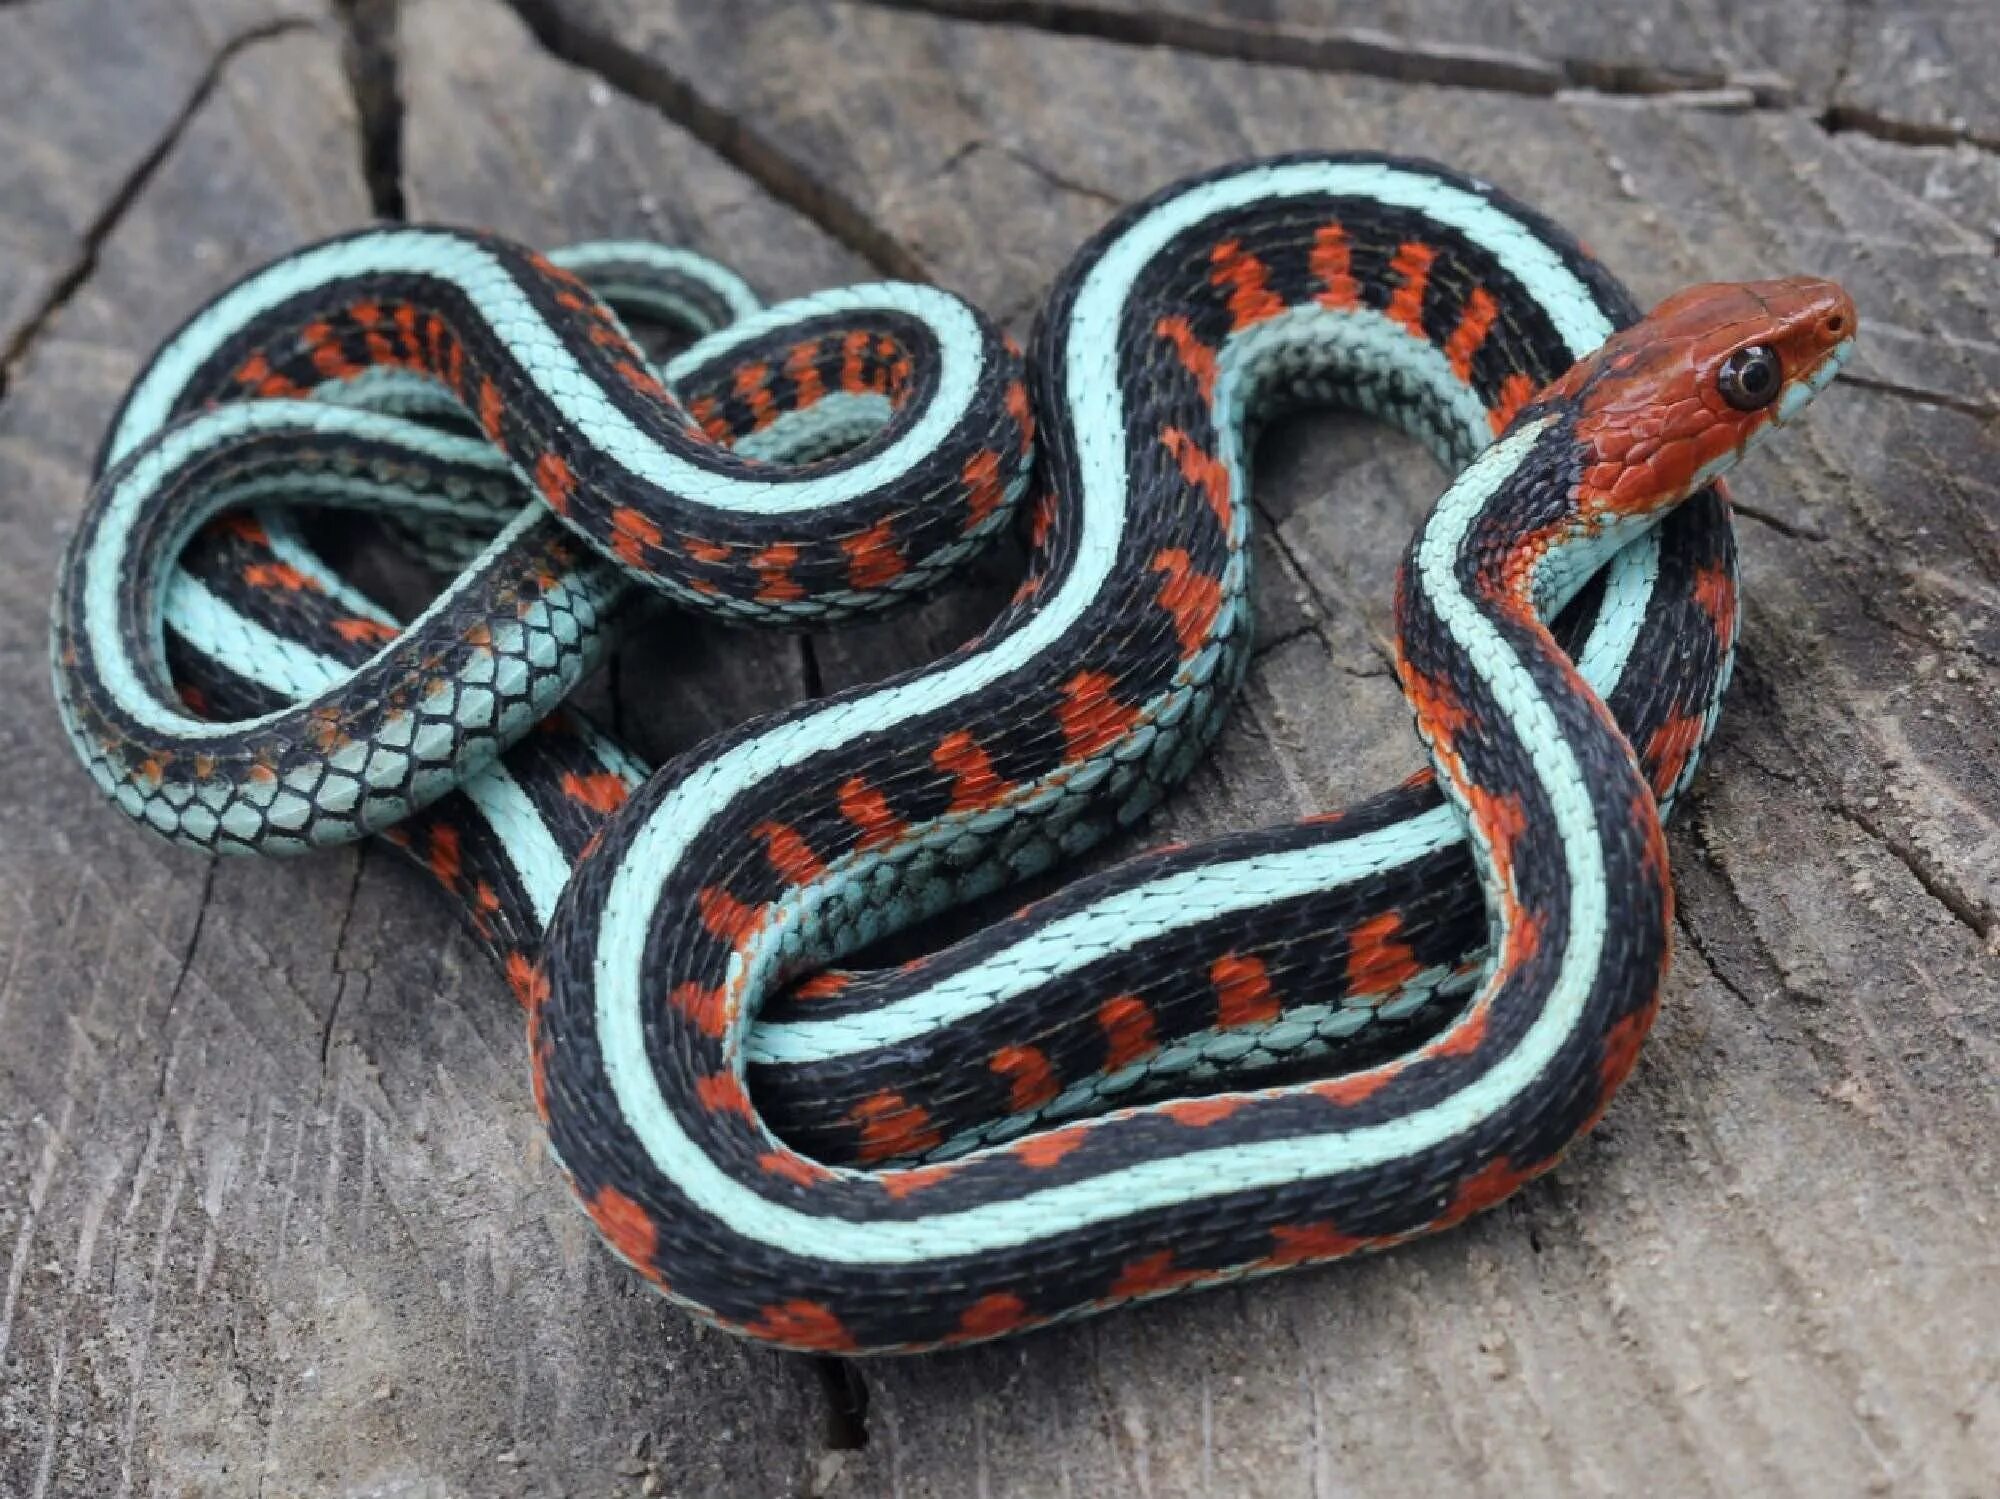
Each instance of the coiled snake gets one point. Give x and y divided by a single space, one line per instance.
974 1143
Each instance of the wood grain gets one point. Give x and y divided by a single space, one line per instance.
273 1213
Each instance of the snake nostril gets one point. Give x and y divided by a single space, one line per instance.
1836 324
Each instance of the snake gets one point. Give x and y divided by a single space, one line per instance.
1062 1112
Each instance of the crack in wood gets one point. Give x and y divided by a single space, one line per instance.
846 1391
1396 59
100 229
1974 915
791 183
193 941
1922 395
373 62
340 969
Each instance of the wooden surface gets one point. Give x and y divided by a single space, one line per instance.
274 1218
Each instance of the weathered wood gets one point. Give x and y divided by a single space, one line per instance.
274 1213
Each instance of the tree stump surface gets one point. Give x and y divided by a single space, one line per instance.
275 1218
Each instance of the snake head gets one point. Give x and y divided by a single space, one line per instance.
1669 404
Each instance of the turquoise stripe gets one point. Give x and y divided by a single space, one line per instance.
223 633
529 845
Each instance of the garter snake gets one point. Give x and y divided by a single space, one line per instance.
676 940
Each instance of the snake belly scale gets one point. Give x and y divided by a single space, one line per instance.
944 1168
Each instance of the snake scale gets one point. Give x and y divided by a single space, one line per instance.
1278 1047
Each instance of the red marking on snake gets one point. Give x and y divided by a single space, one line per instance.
793 1167
1332 267
256 375
529 983
1091 717
991 1315
1356 1087
406 325
357 631
240 524
1412 262
707 1010
626 1227
1243 993
1032 1081
1043 523
633 537
1493 1182
1197 358
554 479
434 344
1621 1054
1023 412
279 575
1715 591
802 1324
1473 326
1463 1037
1514 393
1151 1275
1251 299
959 755
1377 962
1307 1243
1435 700
722 1093
983 489
1197 1113
1192 597
753 383
873 558
895 367
1669 747
603 791
444 859
901 1184
705 551
727 918
802 369
1202 469
708 416
1044 1150
367 317
892 1126
1127 1023
640 379
852 378
492 414
824 985
790 855
868 809
773 565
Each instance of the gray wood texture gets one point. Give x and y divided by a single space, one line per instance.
274 1216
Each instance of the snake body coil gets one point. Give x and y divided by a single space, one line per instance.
675 943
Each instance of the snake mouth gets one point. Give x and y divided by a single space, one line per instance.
1800 390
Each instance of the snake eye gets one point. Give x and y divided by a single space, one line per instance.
1751 378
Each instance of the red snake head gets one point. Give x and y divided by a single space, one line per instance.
1668 404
